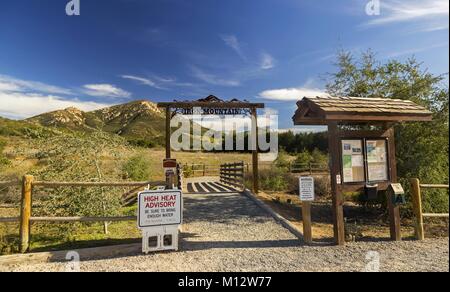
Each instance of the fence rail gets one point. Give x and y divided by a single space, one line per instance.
9 183
311 168
232 174
28 183
416 187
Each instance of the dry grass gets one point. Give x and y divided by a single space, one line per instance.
372 224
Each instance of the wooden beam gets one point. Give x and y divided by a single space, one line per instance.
82 219
168 132
45 184
337 197
417 208
9 183
229 105
9 219
430 186
368 117
394 210
255 151
435 215
25 213
307 222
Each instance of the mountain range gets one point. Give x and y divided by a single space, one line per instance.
138 121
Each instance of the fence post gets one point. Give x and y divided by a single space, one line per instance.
417 208
306 217
25 213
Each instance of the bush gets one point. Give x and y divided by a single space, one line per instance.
304 157
144 143
282 160
137 168
187 171
3 160
278 179
319 157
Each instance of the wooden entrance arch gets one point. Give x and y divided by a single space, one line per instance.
215 105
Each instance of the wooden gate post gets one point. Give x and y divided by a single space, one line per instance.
25 213
306 217
168 131
255 151
417 208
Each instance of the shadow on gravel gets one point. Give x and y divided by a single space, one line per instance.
224 208
203 245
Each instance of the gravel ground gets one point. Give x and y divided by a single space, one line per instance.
228 232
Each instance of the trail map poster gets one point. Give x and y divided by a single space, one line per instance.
377 160
353 160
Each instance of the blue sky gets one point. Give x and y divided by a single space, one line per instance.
272 51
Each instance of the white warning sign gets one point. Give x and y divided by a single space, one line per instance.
306 187
157 208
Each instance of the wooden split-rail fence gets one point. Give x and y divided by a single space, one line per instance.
26 217
232 174
416 188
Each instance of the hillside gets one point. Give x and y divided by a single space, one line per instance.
140 122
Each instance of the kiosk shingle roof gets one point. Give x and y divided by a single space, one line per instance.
318 110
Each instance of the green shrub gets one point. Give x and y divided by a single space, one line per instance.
187 171
144 143
319 157
3 160
304 157
137 168
282 160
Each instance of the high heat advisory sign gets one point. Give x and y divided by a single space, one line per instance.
157 208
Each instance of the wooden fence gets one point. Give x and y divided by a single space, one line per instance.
232 174
416 188
26 219
311 168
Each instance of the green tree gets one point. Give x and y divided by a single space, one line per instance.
422 148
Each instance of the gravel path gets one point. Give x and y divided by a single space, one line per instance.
228 232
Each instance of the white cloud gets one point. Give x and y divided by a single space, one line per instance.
141 80
429 14
287 94
213 79
18 105
233 42
415 51
267 61
8 83
105 90
157 81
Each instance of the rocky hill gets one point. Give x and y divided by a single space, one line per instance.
140 122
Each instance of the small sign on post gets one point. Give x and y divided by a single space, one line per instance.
306 187
307 195
170 166
159 217
170 170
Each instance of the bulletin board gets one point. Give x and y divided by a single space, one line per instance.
377 168
352 161
364 160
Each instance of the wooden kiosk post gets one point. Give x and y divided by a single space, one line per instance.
335 173
371 165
